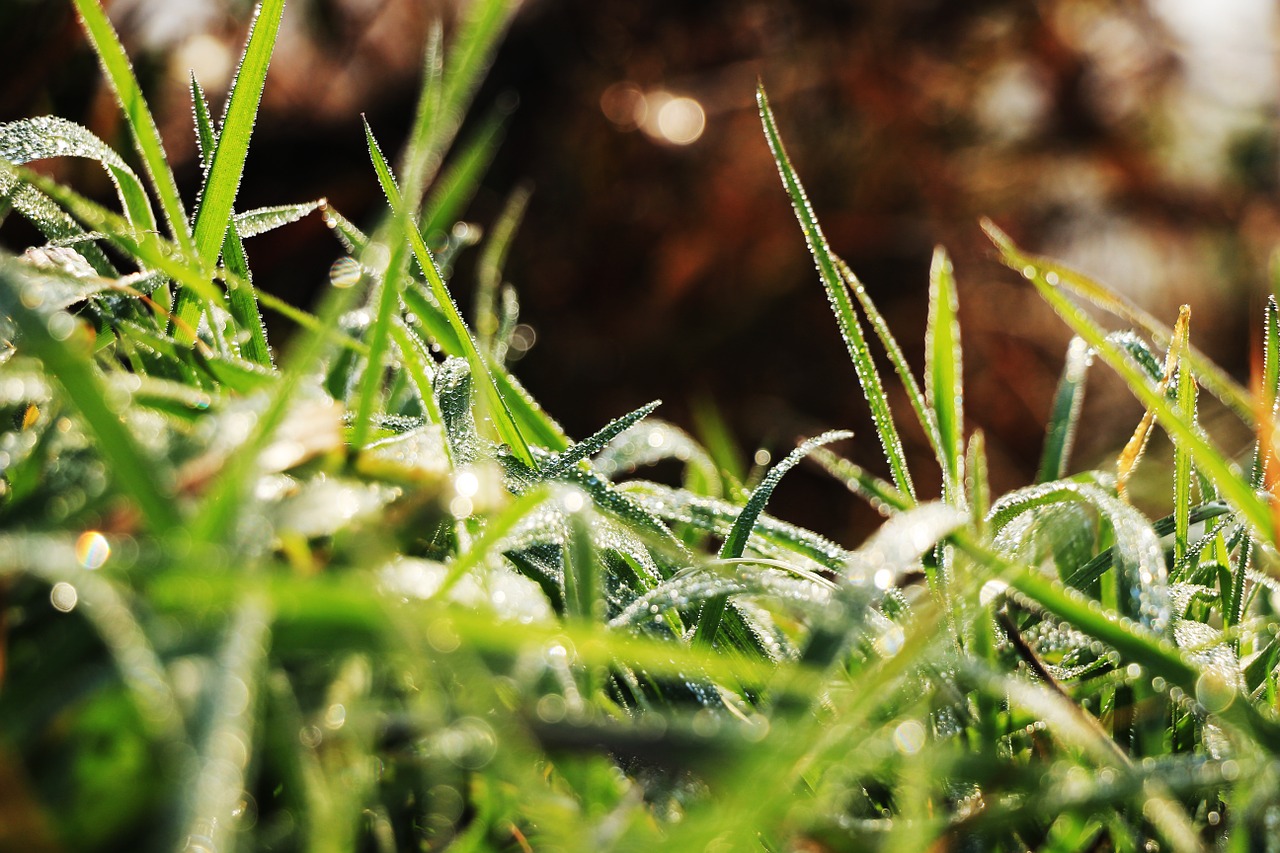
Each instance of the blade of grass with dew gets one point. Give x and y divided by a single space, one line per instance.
352 238
838 295
583 586
497 407
978 482
377 339
51 220
46 137
152 252
943 373
736 542
924 413
146 138
575 453
130 465
1186 399
242 302
1214 378
260 220
1132 453
231 146
414 358
1063 419
489 267
418 160
1230 484
882 496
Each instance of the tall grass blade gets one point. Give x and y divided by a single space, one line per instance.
736 542
499 413
227 163
132 467
1229 482
943 374
841 304
1065 416
454 189
377 339
119 72
419 160
489 268
1186 398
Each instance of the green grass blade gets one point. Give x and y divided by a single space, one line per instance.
206 135
52 221
1186 399
838 295
227 164
943 373
882 496
48 136
583 584
736 542
978 482
468 58
456 186
1067 401
120 76
132 467
497 407
1212 377
1230 484
415 359
419 160
569 458
260 220
242 300
378 338
489 268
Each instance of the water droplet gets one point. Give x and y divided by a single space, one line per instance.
991 590
335 716
345 272
762 457
63 596
1214 691
92 549
310 736
909 737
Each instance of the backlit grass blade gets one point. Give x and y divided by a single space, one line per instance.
1229 482
242 302
489 268
415 359
978 482
48 136
841 304
1067 401
882 496
51 220
377 338
227 164
1186 399
924 412
260 220
583 585
1212 377
943 374
468 58
575 453
134 470
736 542
454 188
120 76
419 160
497 408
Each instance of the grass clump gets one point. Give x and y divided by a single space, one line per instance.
363 593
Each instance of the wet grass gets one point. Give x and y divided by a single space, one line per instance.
362 592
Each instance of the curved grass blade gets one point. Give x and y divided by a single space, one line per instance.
1229 482
560 463
838 295
736 542
497 407
943 374
260 220
242 300
130 465
882 496
657 440
52 221
1132 453
45 137
1067 401
146 138
1214 378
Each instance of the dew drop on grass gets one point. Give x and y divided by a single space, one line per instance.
1215 691
909 737
345 272
92 549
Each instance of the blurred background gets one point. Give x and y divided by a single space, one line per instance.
659 257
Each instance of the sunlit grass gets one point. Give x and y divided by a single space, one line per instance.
362 592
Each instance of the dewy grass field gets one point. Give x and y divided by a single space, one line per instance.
363 593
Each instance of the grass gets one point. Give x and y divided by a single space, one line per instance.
351 595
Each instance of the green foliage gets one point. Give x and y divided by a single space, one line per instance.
347 595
